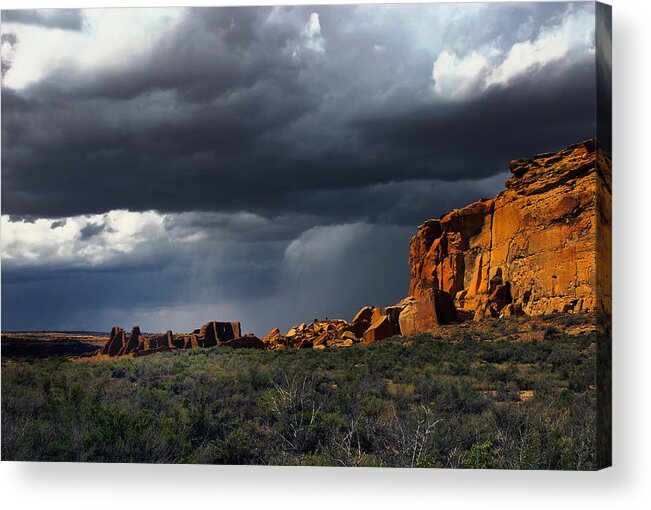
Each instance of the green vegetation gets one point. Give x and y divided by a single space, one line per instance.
427 402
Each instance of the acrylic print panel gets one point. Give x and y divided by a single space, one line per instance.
351 235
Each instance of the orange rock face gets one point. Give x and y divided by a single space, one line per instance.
380 329
432 308
532 249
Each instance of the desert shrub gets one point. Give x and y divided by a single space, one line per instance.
431 404
551 332
479 456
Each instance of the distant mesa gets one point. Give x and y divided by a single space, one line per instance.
541 246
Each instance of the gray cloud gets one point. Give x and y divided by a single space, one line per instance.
93 229
65 19
9 40
264 285
231 112
604 41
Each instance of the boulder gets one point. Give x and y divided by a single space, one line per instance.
358 329
321 339
272 335
274 339
379 330
362 321
364 315
432 309
315 333
304 344
410 322
348 335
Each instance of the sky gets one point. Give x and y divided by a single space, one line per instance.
167 167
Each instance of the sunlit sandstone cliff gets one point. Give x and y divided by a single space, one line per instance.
543 245
535 248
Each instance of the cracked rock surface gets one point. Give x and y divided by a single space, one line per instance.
540 246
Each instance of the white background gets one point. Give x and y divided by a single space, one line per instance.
626 485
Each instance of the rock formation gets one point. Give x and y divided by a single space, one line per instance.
370 325
318 334
211 334
379 329
362 321
532 249
542 245
432 308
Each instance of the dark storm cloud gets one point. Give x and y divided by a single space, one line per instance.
503 24
65 19
265 285
296 163
232 111
213 52
604 41
541 111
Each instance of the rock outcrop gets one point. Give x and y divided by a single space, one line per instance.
433 307
380 329
532 249
542 245
318 334
362 321
370 325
